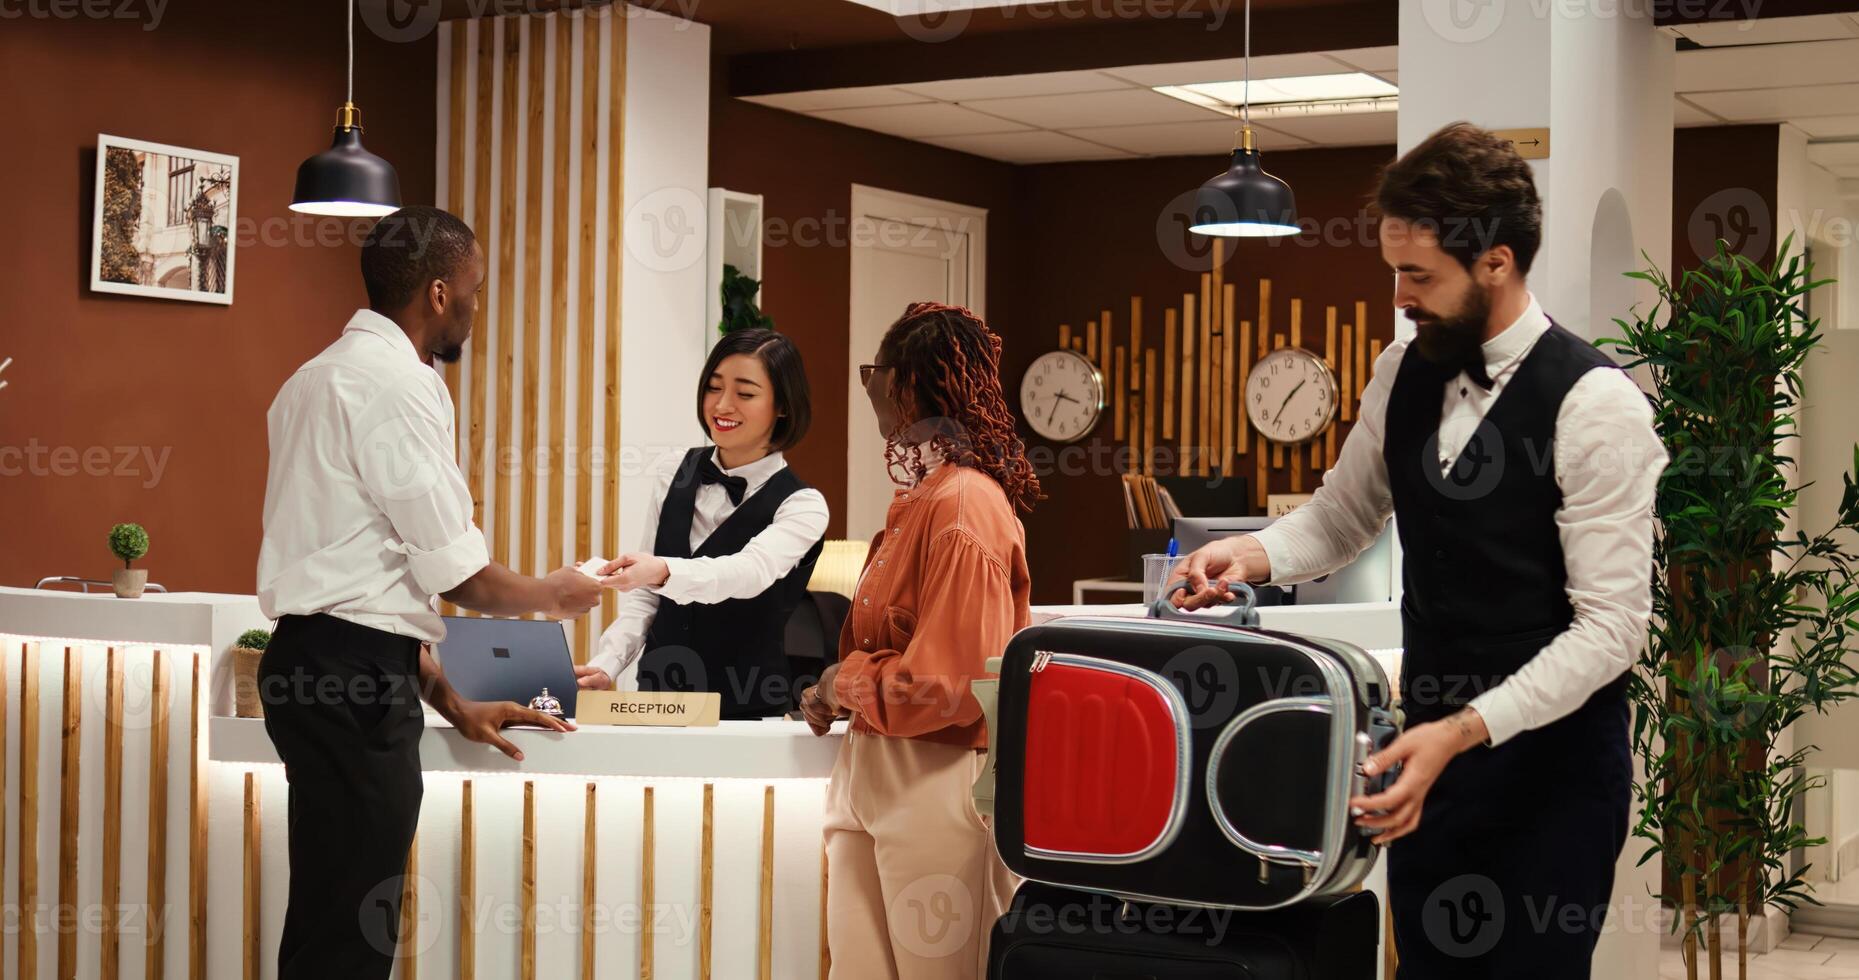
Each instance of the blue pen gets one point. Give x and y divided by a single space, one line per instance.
1173 548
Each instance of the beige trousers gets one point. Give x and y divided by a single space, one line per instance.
914 884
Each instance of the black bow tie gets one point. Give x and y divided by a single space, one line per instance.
735 486
1473 369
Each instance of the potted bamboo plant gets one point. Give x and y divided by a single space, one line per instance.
1752 621
129 542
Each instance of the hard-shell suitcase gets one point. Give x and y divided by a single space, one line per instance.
1052 933
1192 759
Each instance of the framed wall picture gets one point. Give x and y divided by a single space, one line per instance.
163 221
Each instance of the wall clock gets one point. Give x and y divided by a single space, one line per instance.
1062 396
1291 396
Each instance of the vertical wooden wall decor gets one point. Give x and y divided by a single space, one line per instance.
707 888
68 777
254 849
110 956
197 831
1118 387
528 886
1189 331
538 387
765 948
1168 373
590 863
28 810
647 891
1229 447
467 885
155 941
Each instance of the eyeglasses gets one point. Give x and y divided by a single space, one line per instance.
865 371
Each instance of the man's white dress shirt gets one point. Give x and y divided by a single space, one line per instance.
1607 464
367 516
798 525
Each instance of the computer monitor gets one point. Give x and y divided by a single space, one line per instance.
1191 533
508 660
1370 578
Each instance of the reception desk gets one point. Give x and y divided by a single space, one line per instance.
143 822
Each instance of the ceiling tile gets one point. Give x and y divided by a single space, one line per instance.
1825 127
1378 60
921 120
1780 104
1834 154
1037 146
1769 30
1214 139
1119 107
1228 69
1352 129
1686 114
1760 66
1013 86
836 98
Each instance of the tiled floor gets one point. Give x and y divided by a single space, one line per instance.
1801 957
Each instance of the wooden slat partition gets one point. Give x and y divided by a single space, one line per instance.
1065 336
252 940
1361 348
535 109
455 151
68 781
28 810
1121 389
467 884
1228 394
409 951
558 298
155 941
197 830
648 901
590 864
1205 367
584 383
1148 453
1189 331
527 962
1347 381
1169 329
503 279
480 219
110 940
765 946
616 196
706 905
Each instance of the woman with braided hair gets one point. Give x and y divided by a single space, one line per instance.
915 883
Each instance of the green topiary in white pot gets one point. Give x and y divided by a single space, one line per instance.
129 542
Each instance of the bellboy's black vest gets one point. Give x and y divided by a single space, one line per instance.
1483 572
734 647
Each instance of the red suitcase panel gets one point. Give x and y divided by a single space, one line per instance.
1107 761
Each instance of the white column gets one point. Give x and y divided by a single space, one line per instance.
1599 75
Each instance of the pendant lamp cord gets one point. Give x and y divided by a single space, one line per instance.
351 6
1246 92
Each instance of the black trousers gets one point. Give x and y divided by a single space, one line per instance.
1510 872
342 707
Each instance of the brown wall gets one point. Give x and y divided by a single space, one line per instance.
1723 186
805 169
93 372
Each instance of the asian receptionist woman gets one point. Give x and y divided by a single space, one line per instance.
731 539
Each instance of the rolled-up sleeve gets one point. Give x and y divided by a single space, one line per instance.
966 614
404 455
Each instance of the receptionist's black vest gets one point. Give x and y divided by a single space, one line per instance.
1483 574
734 647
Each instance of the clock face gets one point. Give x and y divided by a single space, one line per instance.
1062 396
1291 395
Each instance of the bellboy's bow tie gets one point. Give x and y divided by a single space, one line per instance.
735 486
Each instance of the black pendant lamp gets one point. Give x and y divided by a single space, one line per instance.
346 180
1245 202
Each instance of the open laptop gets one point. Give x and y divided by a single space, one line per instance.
508 660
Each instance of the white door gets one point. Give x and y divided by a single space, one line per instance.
904 250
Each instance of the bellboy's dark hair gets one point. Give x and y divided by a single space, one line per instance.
405 251
1470 188
781 359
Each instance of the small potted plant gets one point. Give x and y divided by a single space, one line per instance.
129 542
247 651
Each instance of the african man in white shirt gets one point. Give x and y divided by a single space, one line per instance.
1524 504
366 519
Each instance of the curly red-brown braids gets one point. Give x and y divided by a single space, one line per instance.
946 380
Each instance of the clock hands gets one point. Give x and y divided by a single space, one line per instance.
1281 405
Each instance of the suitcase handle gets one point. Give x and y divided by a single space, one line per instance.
1242 611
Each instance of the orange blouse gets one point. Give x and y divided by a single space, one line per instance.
944 587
